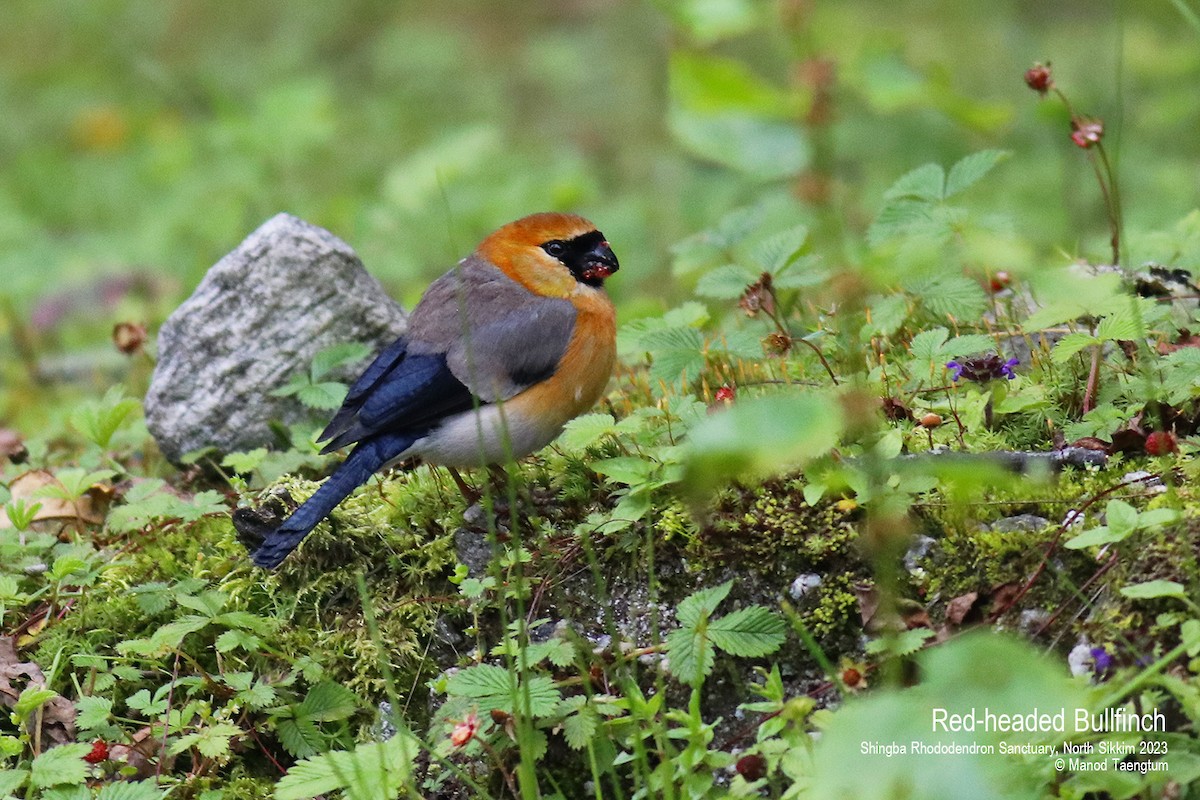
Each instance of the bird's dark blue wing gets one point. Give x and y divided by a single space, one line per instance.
384 363
399 392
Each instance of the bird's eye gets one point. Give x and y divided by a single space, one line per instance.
555 248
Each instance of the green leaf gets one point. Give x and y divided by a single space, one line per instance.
140 702
761 149
1153 589
707 83
585 431
968 171
368 772
245 462
749 632
929 345
492 687
323 396
630 470
61 765
300 737
1095 537
970 344
11 780
327 702
955 295
897 217
580 727
758 436
1071 344
100 420
709 21
1120 517
1118 327
779 250
32 698
92 712
676 354
924 183
725 283
690 655
336 356
131 790
701 604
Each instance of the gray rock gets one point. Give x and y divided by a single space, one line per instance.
257 318
1021 522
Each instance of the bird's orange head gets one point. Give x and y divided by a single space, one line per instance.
551 254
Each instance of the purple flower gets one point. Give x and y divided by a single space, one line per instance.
981 369
1102 662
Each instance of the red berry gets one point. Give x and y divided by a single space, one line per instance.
99 752
999 281
726 394
1038 78
751 767
1160 443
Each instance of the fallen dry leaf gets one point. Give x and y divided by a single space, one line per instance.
54 722
961 607
28 487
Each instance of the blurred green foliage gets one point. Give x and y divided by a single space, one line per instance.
150 136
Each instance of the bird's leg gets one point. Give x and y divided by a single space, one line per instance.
470 495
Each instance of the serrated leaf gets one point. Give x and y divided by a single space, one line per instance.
1153 589
676 353
969 170
11 780
336 356
31 698
748 632
779 250
237 639
701 604
629 470
725 283
924 183
328 702
492 687
61 765
131 790
1119 327
300 737
368 772
1070 345
690 655
140 702
92 712
969 344
324 396
955 296
580 727
586 430
897 217
928 345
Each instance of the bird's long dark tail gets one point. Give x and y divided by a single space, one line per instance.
364 460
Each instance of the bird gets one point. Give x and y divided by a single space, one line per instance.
499 354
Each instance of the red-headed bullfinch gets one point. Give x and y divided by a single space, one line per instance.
499 354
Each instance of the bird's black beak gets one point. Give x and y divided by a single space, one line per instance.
599 262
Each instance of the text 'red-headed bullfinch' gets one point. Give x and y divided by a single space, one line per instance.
500 353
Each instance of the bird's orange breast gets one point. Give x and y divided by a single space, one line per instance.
585 368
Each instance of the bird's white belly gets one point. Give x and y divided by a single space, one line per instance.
486 436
